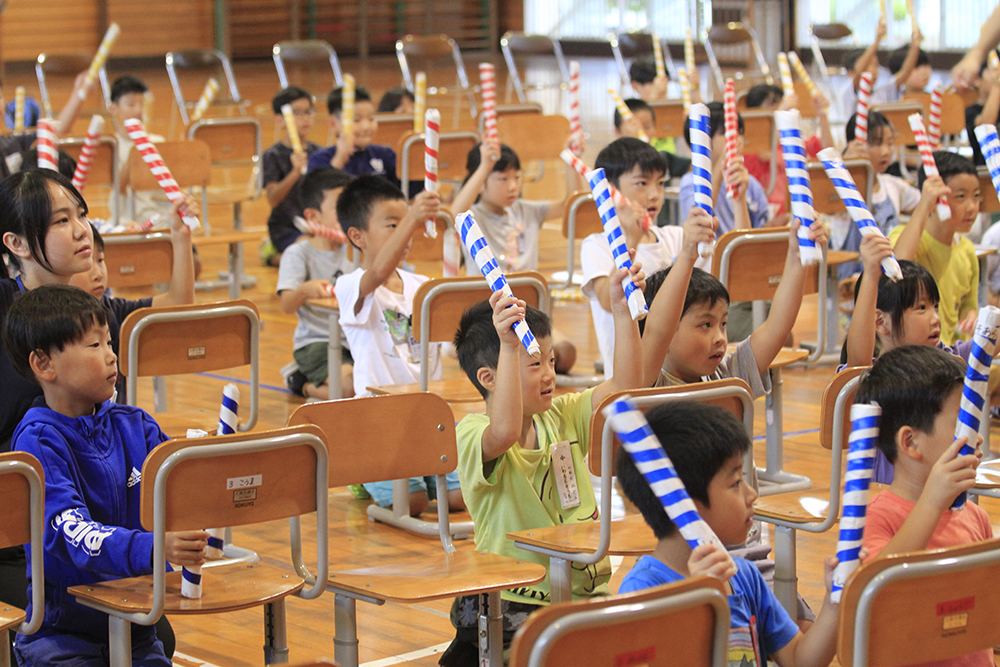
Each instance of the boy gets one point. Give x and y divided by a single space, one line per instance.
376 303
308 270
282 169
645 118
911 72
127 96
507 457
355 153
92 450
646 84
985 111
706 445
396 100
919 389
637 171
940 245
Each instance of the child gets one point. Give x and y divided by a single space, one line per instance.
376 303
308 270
282 169
396 100
891 195
646 84
911 70
506 457
706 445
939 245
985 111
127 96
59 337
643 117
355 153
12 146
919 390
637 171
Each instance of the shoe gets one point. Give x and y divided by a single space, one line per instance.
267 252
296 382
359 492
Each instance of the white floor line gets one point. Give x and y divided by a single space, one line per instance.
407 657
194 661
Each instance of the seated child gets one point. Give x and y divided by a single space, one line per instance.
707 444
376 303
646 84
919 389
355 153
12 146
637 170
644 118
396 100
89 446
940 246
282 169
308 270
911 72
891 195
506 457
986 110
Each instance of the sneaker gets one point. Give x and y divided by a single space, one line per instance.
267 252
359 492
296 381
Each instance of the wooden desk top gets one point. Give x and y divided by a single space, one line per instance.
453 390
629 537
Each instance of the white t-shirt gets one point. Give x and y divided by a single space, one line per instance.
380 335
512 235
300 263
597 261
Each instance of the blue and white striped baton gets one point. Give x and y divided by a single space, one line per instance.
794 151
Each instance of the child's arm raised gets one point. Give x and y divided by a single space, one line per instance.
505 409
991 108
864 61
181 288
276 191
628 363
908 243
489 153
73 105
768 339
737 173
911 57
861 333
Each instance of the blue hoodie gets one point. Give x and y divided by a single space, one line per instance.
93 468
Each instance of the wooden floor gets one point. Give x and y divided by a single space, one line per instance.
394 630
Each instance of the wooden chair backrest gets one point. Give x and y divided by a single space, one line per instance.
534 138
989 203
729 33
525 44
448 307
898 113
102 169
730 403
232 140
756 267
969 95
829 404
391 127
825 197
670 118
758 132
453 153
681 636
587 219
15 520
831 31
952 110
418 439
196 345
944 614
427 249
427 46
234 488
138 260
190 163
65 63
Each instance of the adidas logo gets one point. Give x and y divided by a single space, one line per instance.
134 478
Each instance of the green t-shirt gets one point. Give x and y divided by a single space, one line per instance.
519 492
956 272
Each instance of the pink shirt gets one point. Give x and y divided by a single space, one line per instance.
886 513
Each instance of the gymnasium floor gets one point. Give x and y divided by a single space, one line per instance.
395 633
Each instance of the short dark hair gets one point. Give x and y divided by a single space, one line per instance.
335 100
98 239
358 198
508 160
46 318
877 124
625 154
716 121
851 58
478 345
289 95
67 165
314 185
26 210
898 57
393 98
127 84
642 70
761 93
702 288
634 105
911 384
699 439
948 164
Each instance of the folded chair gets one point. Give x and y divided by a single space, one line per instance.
208 62
513 44
729 35
236 149
453 152
67 65
239 479
431 50
418 440
306 51
635 45
580 220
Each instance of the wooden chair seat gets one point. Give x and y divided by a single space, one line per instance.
444 576
453 390
796 507
225 588
10 617
227 238
988 475
629 537
176 424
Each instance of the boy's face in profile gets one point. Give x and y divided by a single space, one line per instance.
326 215
94 281
645 189
538 378
932 445
305 114
730 509
700 343
964 201
80 375
382 223
128 106
643 119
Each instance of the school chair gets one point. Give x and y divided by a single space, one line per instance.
535 139
670 118
526 109
235 150
237 480
814 510
898 113
589 543
104 169
427 248
67 65
418 441
22 486
430 50
208 62
522 44
760 135
969 95
734 38
821 34
392 126
138 260
636 45
921 607
684 624
826 201
453 152
952 113
580 220
303 52
750 264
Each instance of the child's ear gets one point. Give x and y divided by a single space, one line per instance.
335 122
312 215
883 327
17 245
41 366
487 378
906 443
356 237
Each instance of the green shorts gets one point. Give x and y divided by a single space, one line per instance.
312 361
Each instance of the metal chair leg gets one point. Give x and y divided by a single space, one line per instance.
490 630
120 640
345 639
786 580
275 638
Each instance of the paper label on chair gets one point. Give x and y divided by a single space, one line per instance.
565 473
244 482
641 658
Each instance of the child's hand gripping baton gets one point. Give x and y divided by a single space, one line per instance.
701 165
151 156
799 187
